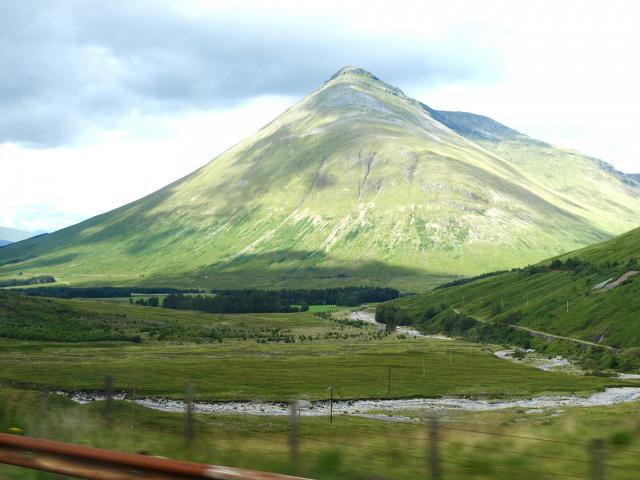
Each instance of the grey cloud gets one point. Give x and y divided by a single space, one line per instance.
73 64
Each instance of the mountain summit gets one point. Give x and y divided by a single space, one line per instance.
356 183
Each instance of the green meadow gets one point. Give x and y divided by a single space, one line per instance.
256 356
282 357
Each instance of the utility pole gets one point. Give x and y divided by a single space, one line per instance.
330 404
44 412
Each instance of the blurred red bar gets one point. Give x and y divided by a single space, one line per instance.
99 464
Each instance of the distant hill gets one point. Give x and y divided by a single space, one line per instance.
590 294
10 235
355 184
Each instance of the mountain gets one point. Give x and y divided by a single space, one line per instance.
592 294
355 184
10 235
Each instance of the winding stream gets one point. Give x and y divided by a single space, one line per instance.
369 317
610 396
382 408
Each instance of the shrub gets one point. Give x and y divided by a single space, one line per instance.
391 316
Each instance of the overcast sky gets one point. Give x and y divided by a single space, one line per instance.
104 102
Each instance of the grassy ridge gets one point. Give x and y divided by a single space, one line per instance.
560 300
30 318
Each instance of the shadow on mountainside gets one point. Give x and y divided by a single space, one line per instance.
308 268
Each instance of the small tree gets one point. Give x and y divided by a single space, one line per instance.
391 316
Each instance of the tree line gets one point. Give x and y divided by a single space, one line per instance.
98 292
344 296
268 301
16 282
254 302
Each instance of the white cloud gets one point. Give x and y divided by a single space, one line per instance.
125 125
47 189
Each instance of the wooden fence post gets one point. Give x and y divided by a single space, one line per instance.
108 400
293 429
434 454
189 431
596 451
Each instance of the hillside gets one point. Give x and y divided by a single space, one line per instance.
354 184
575 295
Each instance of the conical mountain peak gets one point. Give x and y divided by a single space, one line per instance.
356 183
359 76
351 70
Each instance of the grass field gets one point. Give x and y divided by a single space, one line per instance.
488 445
237 370
329 308
265 356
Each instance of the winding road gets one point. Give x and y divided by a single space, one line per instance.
551 336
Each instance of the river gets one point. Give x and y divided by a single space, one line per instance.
609 396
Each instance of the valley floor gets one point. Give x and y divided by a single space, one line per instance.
282 357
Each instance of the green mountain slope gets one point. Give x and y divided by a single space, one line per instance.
356 183
575 296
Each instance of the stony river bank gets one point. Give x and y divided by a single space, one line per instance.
610 396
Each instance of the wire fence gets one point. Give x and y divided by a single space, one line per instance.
433 447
